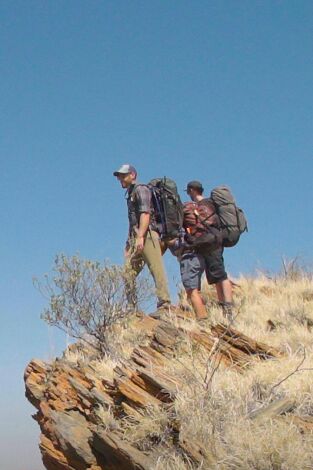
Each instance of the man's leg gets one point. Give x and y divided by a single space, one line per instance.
224 291
153 257
215 269
194 295
191 270
216 274
134 265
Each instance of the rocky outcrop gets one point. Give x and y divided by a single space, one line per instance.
68 394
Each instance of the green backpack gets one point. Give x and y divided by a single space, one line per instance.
168 207
232 218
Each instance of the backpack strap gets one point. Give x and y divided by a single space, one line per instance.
203 221
159 209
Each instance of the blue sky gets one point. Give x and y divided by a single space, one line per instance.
219 91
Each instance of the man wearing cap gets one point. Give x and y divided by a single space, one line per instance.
213 259
143 243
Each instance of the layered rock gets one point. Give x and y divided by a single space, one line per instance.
68 394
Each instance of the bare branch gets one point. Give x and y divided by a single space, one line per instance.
297 369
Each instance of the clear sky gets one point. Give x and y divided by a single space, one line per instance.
219 91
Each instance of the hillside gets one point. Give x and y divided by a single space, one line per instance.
176 395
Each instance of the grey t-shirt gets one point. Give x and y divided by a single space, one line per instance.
139 201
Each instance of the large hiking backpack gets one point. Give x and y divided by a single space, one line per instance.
232 218
202 224
168 208
199 217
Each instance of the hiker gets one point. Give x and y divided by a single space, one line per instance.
191 269
143 242
201 233
213 257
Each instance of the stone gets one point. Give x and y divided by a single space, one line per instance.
117 454
72 433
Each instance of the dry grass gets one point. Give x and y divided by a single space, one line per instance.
74 357
106 418
105 368
124 337
171 460
153 426
217 417
287 303
215 413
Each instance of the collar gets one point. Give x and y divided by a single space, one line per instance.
130 190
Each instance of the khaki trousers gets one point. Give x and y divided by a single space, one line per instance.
152 256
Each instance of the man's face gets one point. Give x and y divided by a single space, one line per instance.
126 179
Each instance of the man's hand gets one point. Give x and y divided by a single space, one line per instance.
140 241
141 231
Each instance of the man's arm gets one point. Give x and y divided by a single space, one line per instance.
143 200
144 222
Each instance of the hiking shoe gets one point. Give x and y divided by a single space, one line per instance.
228 310
163 310
204 322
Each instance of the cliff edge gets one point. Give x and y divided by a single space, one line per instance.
88 409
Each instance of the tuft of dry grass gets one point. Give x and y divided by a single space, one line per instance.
152 427
172 460
104 368
106 418
74 357
125 336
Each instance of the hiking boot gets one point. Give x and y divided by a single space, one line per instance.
204 322
163 309
227 308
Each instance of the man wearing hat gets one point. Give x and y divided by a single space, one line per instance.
143 242
213 259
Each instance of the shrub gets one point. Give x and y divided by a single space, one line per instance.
87 298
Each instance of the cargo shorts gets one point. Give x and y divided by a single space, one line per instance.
191 269
214 266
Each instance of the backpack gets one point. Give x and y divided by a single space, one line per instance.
199 217
168 208
202 225
232 218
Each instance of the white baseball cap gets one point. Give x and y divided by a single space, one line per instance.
126 168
